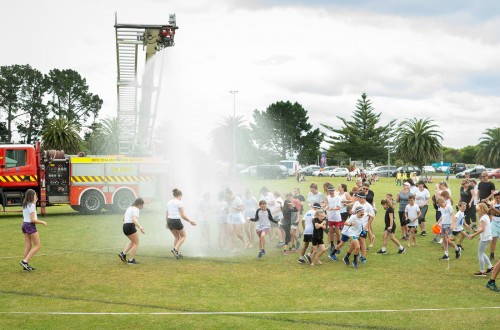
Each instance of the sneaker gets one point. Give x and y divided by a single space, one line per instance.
175 253
489 270
133 262
382 252
123 257
460 246
302 261
423 233
458 253
308 259
492 286
440 241
332 256
280 244
444 257
346 261
25 266
31 268
402 251
363 260
355 263
434 240
259 255
480 273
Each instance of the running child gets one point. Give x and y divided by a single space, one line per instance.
263 218
355 225
495 223
447 223
319 226
308 232
412 213
459 228
389 228
130 222
333 205
31 237
484 229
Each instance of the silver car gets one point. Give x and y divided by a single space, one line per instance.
382 170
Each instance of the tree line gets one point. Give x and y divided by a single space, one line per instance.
283 129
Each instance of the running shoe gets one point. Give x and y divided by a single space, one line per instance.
280 244
308 259
25 266
434 240
401 251
440 241
458 253
382 252
460 246
302 261
175 253
480 273
355 263
489 270
492 286
423 233
332 256
259 255
133 262
363 260
346 261
123 257
444 257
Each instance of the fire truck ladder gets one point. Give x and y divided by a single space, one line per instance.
136 124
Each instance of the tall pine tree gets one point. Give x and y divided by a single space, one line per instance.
361 137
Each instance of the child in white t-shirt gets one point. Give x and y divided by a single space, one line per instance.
412 213
459 228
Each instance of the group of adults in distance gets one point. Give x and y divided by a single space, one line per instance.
345 217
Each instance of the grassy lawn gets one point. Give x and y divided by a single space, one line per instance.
79 272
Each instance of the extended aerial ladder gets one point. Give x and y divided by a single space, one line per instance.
136 121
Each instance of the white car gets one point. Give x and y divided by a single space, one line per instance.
428 169
325 172
339 171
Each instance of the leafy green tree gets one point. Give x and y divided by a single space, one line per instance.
71 97
469 154
60 134
222 141
451 155
361 138
489 147
102 139
418 141
34 110
11 80
283 128
4 133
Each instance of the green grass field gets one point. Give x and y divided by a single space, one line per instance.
78 271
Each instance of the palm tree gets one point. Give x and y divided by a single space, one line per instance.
418 141
60 134
489 147
103 140
222 140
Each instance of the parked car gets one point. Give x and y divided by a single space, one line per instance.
308 170
339 171
325 172
428 169
382 170
494 174
474 172
272 171
249 171
457 167
408 169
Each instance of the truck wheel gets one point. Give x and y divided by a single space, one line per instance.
122 200
92 202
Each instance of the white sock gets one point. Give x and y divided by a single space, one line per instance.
446 253
401 247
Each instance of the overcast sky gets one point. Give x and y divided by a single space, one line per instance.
437 59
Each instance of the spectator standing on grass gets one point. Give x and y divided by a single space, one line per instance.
484 230
422 199
447 172
485 188
130 223
398 179
467 195
389 228
263 217
402 198
31 237
175 212
495 223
